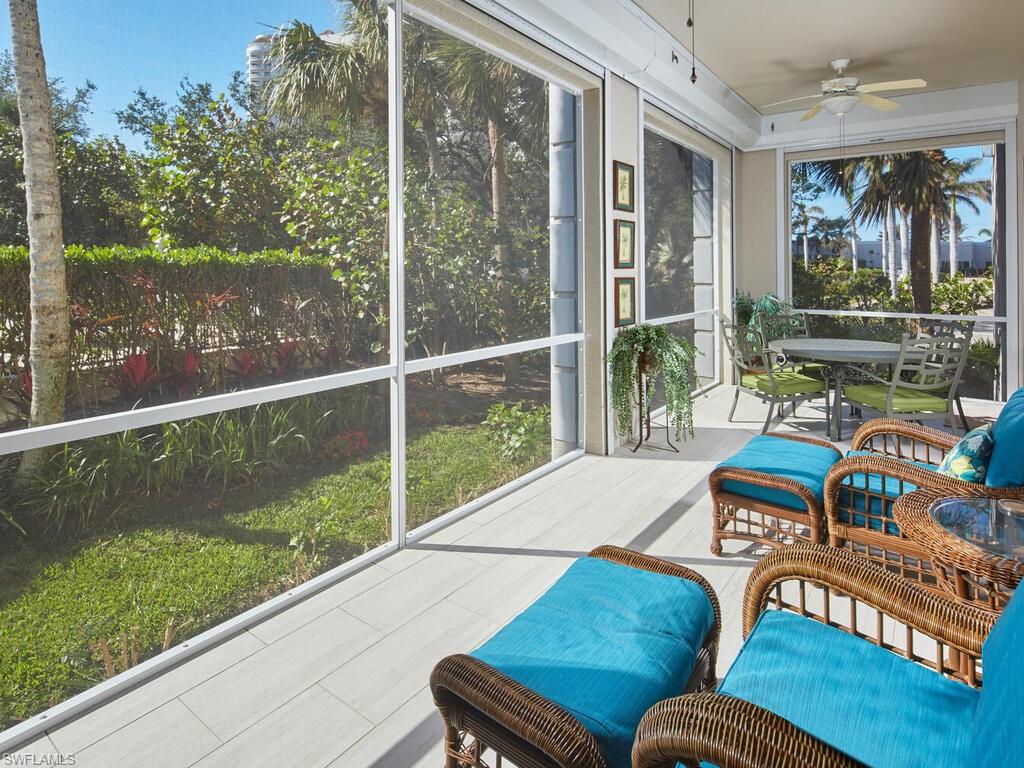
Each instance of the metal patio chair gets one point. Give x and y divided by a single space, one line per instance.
758 375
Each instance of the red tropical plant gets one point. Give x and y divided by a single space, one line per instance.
286 358
330 356
186 378
346 445
246 366
136 377
26 384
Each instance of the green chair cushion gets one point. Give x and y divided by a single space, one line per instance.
903 400
805 463
606 642
863 700
787 383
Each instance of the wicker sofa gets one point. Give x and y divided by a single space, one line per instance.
891 458
819 683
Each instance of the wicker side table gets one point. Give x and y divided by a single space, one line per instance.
976 542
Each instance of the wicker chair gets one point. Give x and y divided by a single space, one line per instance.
779 716
889 459
758 375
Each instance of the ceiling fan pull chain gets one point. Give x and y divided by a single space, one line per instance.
693 45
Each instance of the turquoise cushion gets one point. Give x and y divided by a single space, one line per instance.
968 459
605 643
806 464
1006 468
873 705
998 735
893 489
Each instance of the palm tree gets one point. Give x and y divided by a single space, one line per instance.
873 205
916 180
959 189
348 78
49 353
840 178
514 105
804 218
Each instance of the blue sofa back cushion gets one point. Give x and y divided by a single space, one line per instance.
999 721
1006 466
805 463
605 643
863 700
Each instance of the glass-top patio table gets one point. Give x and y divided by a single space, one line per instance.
837 353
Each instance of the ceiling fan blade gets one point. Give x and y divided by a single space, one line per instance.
892 85
812 112
790 101
877 102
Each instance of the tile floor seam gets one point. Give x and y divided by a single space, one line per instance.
220 742
167 701
321 615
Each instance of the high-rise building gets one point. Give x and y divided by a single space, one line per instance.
257 61
258 64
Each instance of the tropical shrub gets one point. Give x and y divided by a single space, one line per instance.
516 430
959 295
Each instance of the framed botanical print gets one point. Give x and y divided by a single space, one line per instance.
623 186
624 247
625 301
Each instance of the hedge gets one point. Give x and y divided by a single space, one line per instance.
127 300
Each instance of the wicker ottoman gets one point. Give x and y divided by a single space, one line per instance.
772 491
565 683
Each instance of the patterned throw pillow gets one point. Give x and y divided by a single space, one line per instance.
968 459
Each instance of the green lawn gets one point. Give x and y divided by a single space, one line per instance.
197 560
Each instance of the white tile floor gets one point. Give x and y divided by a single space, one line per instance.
341 679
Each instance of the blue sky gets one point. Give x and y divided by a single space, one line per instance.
836 206
121 45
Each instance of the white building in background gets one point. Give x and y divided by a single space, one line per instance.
973 256
257 61
259 68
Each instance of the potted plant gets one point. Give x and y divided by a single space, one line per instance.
649 349
751 312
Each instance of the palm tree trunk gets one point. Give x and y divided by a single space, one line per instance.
49 348
890 232
920 279
935 245
807 254
430 137
853 242
904 241
954 236
885 250
499 209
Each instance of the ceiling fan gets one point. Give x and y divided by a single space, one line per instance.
842 93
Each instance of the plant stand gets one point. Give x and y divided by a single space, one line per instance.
645 418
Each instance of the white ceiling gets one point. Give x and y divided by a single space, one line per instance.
770 50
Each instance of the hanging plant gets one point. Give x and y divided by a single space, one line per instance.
651 348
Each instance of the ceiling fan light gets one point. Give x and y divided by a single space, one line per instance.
840 105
